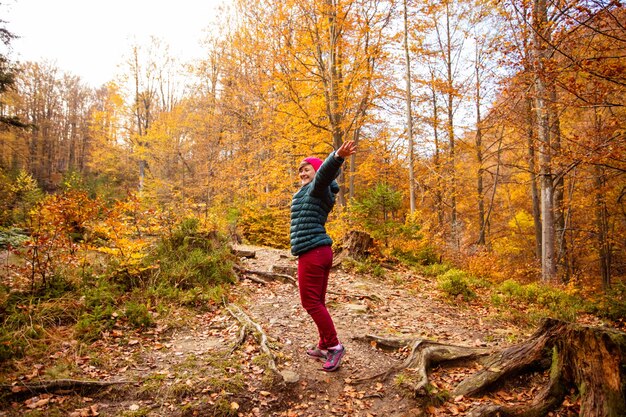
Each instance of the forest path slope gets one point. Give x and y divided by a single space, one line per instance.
195 363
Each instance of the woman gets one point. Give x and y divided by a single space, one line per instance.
310 242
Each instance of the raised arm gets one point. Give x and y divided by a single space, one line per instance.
346 149
330 168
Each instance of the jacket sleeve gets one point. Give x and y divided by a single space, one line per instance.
326 174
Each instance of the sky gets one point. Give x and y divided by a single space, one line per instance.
90 38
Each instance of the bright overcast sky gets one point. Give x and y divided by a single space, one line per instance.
89 38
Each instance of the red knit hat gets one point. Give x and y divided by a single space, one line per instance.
315 162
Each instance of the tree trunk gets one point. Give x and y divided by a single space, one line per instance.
479 157
334 83
357 245
451 137
436 157
602 226
409 114
601 213
532 169
548 261
562 254
591 360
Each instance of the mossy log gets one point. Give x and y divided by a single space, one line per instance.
591 360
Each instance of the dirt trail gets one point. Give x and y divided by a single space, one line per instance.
190 369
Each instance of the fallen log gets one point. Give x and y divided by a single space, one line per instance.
271 275
291 271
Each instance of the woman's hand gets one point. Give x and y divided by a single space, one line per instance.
346 149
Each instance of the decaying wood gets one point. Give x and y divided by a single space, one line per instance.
356 245
590 360
260 335
58 385
271 275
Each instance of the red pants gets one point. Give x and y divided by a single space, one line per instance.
313 270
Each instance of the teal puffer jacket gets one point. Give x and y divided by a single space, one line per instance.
310 207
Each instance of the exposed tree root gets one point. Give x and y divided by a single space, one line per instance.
590 360
243 334
259 334
372 297
385 342
424 354
57 385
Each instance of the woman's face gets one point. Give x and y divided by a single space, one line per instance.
307 173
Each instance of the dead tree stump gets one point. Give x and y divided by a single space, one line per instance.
356 245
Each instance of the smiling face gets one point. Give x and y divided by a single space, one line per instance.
306 173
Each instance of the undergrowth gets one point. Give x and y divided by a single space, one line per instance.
525 303
189 268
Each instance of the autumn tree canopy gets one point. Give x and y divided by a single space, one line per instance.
516 111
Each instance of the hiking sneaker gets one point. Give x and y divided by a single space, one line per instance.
316 352
333 360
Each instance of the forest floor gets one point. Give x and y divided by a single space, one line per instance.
194 365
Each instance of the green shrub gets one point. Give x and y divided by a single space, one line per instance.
364 267
25 316
191 258
11 346
138 314
101 293
434 270
424 256
92 324
454 283
555 300
612 304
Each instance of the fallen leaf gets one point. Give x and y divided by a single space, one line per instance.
38 404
